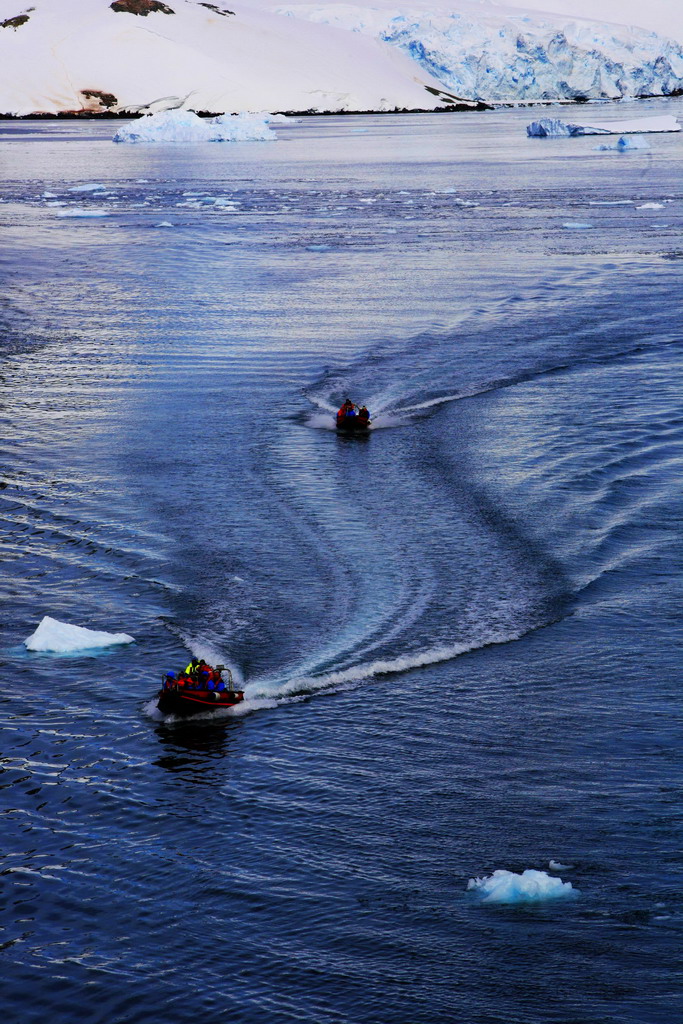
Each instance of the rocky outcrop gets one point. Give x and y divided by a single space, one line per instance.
17 22
141 7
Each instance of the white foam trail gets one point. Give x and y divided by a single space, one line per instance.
444 400
321 421
358 673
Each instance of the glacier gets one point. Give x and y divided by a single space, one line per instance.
484 55
95 57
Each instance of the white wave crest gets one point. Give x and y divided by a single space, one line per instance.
358 673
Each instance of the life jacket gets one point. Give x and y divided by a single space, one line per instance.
192 667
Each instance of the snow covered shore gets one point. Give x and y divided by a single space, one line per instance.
131 56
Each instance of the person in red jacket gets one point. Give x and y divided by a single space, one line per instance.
347 409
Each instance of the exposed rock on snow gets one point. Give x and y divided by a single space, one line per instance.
552 127
60 637
14 23
141 7
186 126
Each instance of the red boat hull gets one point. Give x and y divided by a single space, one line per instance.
352 425
195 702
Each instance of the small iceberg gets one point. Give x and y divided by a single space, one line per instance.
60 638
623 145
186 126
555 865
529 887
552 127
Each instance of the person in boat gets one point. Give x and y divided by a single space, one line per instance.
364 414
347 409
204 675
193 667
169 681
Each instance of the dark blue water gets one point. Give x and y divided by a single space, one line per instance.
460 637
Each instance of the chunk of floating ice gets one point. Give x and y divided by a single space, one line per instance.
572 225
622 145
186 126
60 637
552 127
529 887
555 865
77 211
164 224
651 206
86 188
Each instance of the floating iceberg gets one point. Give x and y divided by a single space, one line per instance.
529 887
552 127
60 637
623 145
186 126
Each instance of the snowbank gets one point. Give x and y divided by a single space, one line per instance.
186 126
529 887
60 637
84 56
552 127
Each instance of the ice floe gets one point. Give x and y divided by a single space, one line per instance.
530 886
555 865
186 126
87 188
79 211
553 127
61 637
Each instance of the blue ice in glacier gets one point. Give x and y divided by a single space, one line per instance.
523 59
518 57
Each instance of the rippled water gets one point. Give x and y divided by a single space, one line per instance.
459 637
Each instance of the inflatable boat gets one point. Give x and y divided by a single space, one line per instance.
185 696
352 420
352 425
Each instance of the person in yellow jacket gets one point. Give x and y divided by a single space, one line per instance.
192 668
